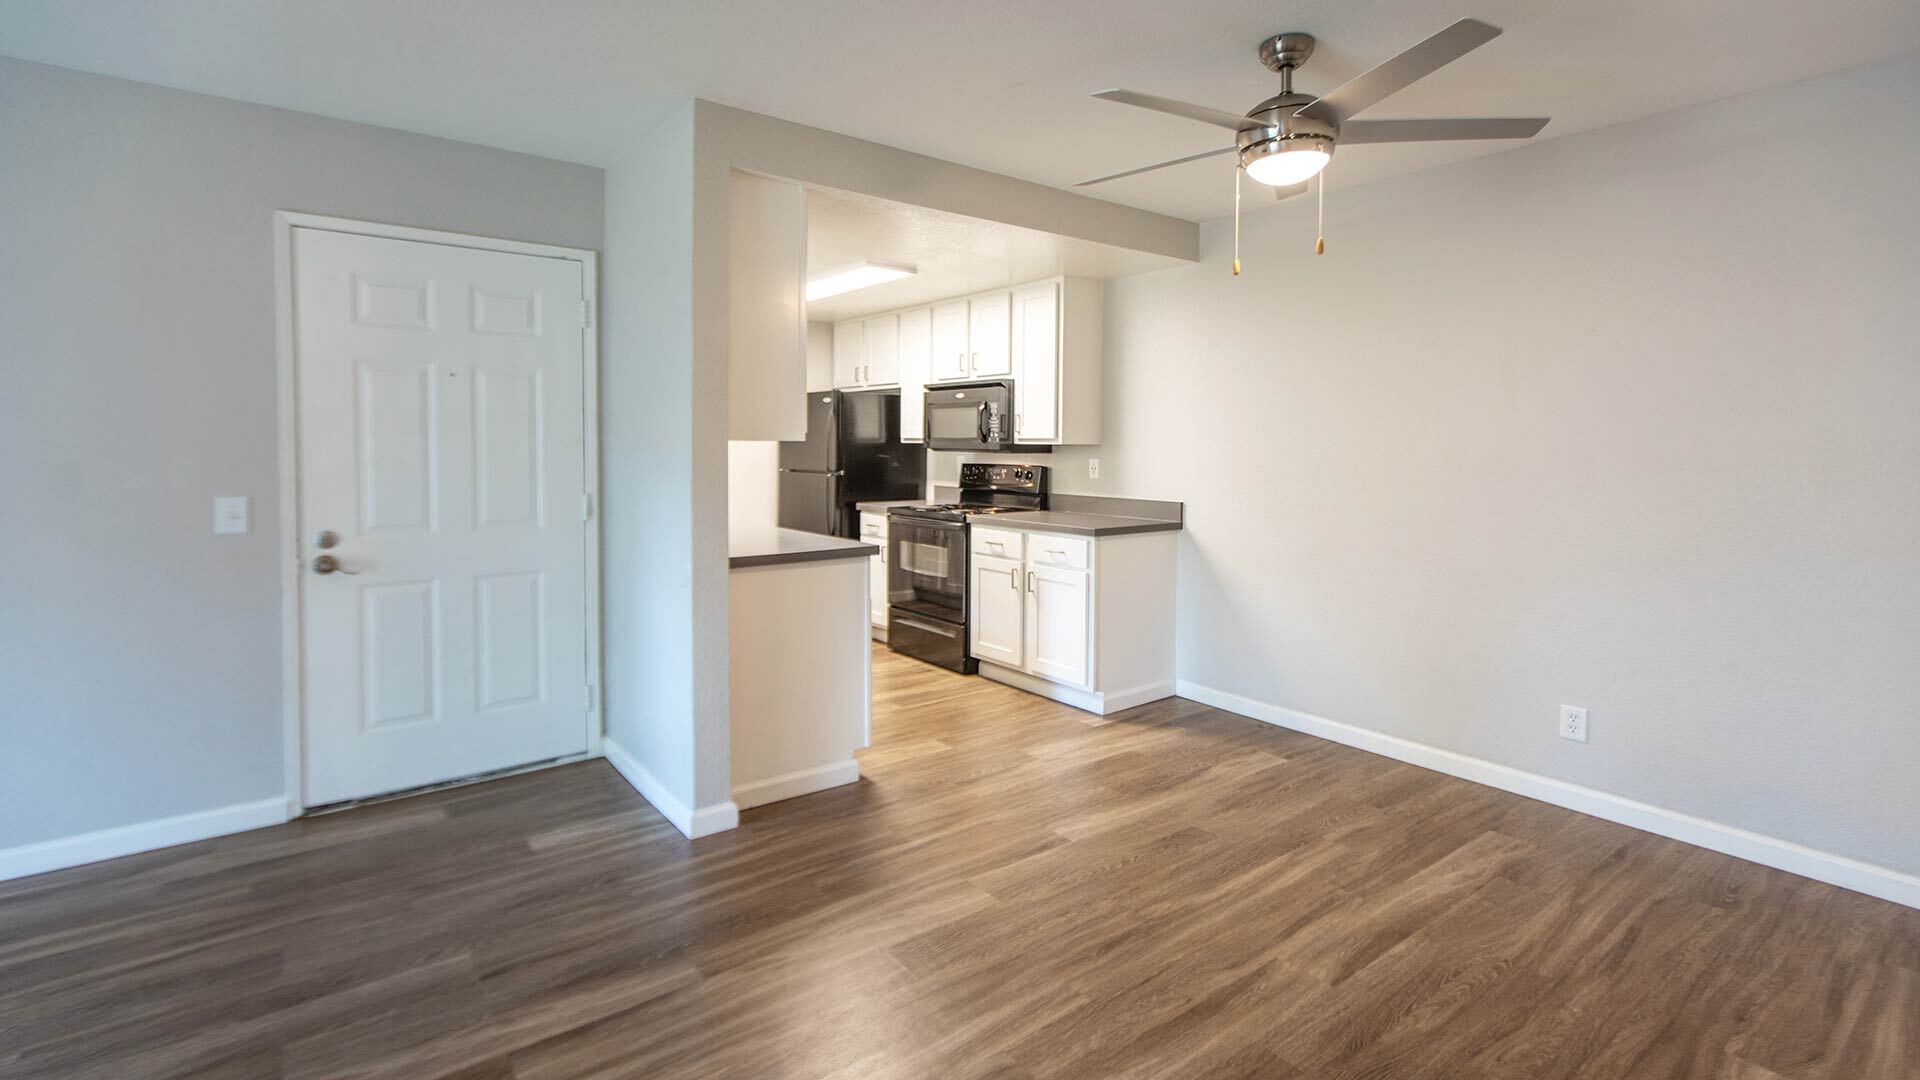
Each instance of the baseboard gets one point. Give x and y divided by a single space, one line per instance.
112 843
695 824
878 633
794 784
1099 704
1880 881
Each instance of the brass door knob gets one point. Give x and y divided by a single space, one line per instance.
327 564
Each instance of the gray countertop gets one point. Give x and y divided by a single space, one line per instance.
766 546
1077 524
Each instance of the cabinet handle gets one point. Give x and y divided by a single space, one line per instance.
1029 581
1013 580
1056 551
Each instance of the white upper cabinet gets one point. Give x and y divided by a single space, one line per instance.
1036 363
916 356
849 353
766 318
1044 336
949 342
883 351
989 337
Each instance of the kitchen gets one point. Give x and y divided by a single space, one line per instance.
946 358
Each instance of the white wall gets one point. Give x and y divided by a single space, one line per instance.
1625 420
753 483
646 452
139 653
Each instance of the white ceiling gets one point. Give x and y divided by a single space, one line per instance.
952 254
996 84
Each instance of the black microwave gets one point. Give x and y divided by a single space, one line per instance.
972 416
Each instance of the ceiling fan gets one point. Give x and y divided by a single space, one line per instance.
1287 139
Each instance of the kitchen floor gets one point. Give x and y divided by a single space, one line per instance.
1016 889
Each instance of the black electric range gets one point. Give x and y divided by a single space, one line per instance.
927 561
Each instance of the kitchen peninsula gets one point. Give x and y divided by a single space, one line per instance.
799 679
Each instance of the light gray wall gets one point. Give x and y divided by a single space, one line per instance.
139 653
1628 420
646 438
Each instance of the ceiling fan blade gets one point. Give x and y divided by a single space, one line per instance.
1219 117
1291 190
1161 165
1379 83
1384 131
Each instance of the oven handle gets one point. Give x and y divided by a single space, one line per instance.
917 625
908 521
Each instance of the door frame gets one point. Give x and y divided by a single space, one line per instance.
292 670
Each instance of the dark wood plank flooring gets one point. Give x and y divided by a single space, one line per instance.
1014 890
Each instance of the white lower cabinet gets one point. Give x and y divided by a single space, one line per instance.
1085 621
1058 603
873 529
999 614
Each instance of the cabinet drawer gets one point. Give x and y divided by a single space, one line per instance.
1000 543
873 526
1045 549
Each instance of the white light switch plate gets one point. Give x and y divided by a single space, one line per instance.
230 515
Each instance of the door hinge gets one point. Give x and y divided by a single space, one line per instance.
586 506
586 314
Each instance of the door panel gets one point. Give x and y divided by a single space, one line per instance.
998 611
950 341
883 351
989 336
441 394
849 354
1036 363
1057 624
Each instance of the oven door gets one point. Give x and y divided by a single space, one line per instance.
927 567
976 417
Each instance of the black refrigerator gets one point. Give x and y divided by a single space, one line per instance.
852 454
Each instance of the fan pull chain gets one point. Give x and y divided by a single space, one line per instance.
1236 220
1320 222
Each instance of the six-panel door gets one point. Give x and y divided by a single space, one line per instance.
440 396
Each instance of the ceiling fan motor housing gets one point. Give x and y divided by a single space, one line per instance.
1280 130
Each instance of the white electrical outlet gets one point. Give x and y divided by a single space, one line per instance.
1573 723
230 515
1093 468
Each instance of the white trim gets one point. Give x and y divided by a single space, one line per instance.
145 836
1094 701
1880 881
292 676
797 783
694 823
648 785
717 818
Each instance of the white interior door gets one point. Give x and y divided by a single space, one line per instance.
441 423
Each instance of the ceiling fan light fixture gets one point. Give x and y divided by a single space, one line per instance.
1284 162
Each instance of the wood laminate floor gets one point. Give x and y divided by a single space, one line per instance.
1015 889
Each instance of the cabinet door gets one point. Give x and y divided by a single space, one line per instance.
999 612
950 341
916 356
989 336
849 354
1036 363
883 351
1057 616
